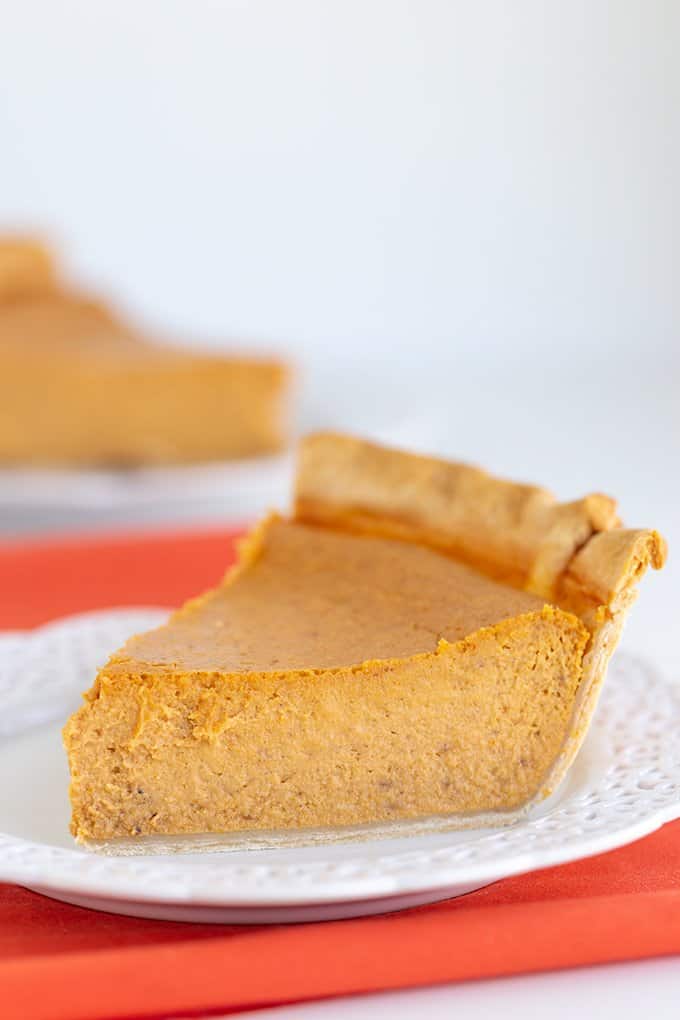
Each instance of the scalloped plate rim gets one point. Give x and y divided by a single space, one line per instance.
428 873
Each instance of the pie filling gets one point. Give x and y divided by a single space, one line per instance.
333 679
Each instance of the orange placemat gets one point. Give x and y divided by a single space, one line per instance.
64 963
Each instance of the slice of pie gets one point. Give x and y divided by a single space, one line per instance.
418 639
78 386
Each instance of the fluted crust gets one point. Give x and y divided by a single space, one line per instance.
575 555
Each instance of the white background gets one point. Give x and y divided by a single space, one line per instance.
375 176
461 219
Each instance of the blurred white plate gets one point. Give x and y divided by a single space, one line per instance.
255 482
624 784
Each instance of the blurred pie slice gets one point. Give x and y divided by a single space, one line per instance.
78 386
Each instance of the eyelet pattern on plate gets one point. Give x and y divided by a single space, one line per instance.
638 722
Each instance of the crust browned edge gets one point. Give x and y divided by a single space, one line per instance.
26 269
575 555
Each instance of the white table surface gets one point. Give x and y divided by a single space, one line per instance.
575 427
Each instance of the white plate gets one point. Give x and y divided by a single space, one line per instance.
624 784
252 483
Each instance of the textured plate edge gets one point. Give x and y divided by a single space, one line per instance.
356 889
439 875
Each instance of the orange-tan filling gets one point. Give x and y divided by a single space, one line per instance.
333 680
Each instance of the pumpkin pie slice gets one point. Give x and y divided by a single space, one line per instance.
418 639
81 387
